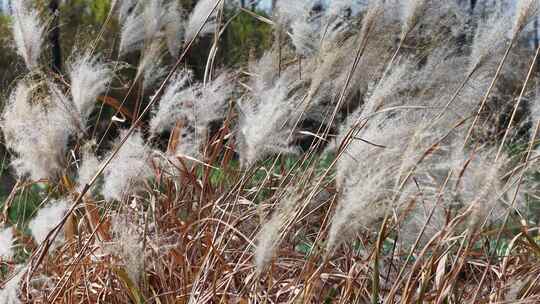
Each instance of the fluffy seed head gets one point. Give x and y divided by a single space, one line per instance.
87 169
305 37
490 39
374 10
270 233
195 107
37 129
10 293
280 114
88 78
526 9
125 7
413 11
173 103
132 36
154 15
28 33
287 11
150 66
174 28
127 245
198 17
6 243
129 169
46 219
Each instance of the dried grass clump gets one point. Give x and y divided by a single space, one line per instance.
357 161
405 154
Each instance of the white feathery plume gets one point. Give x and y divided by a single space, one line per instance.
87 169
28 32
149 22
287 11
534 115
6 243
305 27
198 17
129 169
37 133
150 66
525 11
481 189
127 244
289 205
172 105
88 78
270 233
174 28
373 173
263 72
10 293
143 27
367 176
195 107
132 35
376 179
372 15
336 7
125 8
490 39
280 114
154 15
389 86
413 11
46 219
212 103
305 36
428 217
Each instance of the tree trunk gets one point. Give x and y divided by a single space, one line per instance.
54 37
473 5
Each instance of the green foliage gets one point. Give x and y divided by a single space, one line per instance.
24 205
99 9
245 36
90 11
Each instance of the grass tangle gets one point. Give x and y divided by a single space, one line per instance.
378 152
